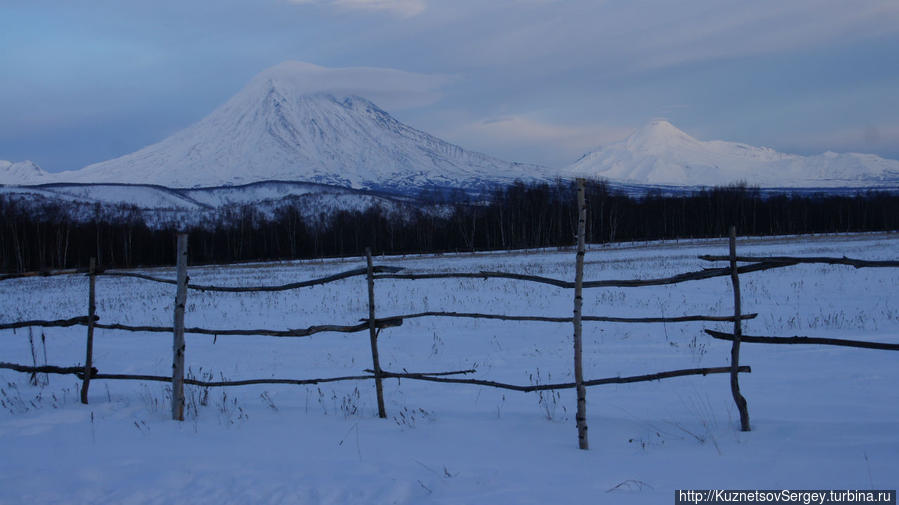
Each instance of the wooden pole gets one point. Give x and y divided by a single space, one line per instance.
738 333
178 345
373 336
91 311
581 416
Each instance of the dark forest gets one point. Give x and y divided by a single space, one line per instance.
514 217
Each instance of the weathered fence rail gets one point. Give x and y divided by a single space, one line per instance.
374 325
302 332
547 319
380 323
570 385
791 260
422 376
356 272
612 283
862 344
58 323
74 370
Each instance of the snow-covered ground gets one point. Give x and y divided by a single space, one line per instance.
822 417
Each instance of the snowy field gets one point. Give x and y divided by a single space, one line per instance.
822 417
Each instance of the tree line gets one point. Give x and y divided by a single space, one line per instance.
52 236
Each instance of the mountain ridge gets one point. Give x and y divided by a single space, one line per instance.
284 126
661 154
273 129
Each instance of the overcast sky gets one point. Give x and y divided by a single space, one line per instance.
539 81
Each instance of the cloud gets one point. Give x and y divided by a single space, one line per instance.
402 8
546 72
389 88
656 34
524 138
722 31
521 129
882 139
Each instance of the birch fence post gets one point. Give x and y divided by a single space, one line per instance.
738 333
178 345
91 311
581 416
373 336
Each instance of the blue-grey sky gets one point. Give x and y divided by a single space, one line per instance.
539 81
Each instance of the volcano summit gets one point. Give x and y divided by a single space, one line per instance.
277 129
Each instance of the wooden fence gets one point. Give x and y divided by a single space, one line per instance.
375 325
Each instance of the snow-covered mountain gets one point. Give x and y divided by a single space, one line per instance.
16 173
274 129
281 127
660 154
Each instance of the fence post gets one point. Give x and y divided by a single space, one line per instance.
91 311
373 336
581 416
738 334
178 340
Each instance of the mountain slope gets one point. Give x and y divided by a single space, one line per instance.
274 130
28 171
661 154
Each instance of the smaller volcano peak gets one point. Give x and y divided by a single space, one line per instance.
656 134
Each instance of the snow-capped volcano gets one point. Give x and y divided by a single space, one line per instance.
661 154
276 129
